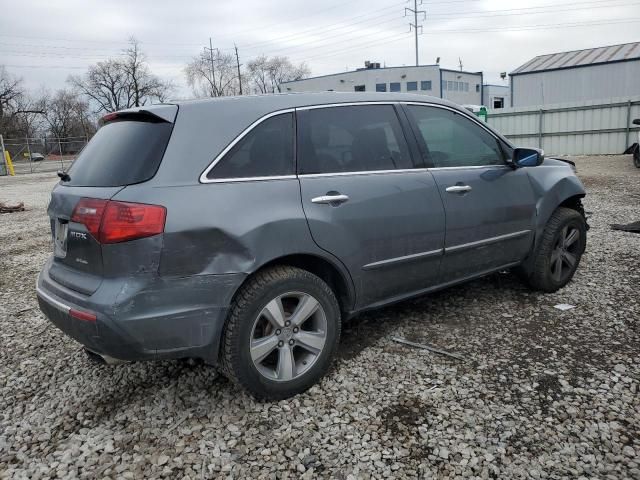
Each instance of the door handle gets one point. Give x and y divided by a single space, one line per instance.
333 199
459 189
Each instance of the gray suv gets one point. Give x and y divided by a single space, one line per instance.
244 231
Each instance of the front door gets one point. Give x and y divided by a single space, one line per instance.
366 203
490 207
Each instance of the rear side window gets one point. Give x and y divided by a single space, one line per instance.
266 151
351 139
121 153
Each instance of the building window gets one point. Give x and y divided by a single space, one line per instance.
455 86
450 85
394 87
466 86
359 88
498 102
477 87
381 87
412 86
425 85
444 84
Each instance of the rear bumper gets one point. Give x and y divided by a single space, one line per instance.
144 317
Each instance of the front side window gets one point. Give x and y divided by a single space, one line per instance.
381 87
266 151
452 140
425 85
412 86
351 139
394 87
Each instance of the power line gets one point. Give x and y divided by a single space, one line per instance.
518 11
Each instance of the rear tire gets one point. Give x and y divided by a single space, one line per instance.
281 334
561 247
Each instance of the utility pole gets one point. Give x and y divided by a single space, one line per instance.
213 77
415 25
238 64
460 63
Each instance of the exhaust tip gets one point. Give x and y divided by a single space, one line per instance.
103 359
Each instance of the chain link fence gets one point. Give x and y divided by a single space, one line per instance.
41 154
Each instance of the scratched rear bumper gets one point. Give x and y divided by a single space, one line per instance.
145 317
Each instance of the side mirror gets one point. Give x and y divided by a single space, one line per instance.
636 121
527 157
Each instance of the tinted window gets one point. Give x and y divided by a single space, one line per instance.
121 153
425 85
453 140
381 87
412 86
351 139
394 87
266 151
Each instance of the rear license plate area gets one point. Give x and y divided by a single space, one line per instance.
60 233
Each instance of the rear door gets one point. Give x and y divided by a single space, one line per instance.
365 201
126 150
490 207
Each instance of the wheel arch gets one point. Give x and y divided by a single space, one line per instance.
335 275
567 192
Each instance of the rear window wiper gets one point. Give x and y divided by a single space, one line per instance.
64 176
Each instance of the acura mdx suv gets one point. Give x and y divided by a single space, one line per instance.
244 231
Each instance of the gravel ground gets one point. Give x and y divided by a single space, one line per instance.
541 393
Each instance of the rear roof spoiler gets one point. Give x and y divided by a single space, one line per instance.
157 113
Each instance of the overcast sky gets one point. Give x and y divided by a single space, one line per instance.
43 41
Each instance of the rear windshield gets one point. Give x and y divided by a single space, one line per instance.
121 153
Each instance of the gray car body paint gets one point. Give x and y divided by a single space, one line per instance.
168 296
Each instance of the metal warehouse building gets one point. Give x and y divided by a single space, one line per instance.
579 75
458 86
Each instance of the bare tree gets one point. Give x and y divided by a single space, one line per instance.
67 115
142 85
12 94
281 69
267 74
258 69
119 83
212 74
11 90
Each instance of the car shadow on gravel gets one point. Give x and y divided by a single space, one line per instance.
368 328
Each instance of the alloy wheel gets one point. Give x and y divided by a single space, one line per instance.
565 253
288 336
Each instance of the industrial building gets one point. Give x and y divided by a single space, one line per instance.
458 86
496 96
579 75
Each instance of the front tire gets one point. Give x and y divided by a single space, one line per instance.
281 334
560 250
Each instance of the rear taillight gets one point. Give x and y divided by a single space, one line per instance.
113 222
89 212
